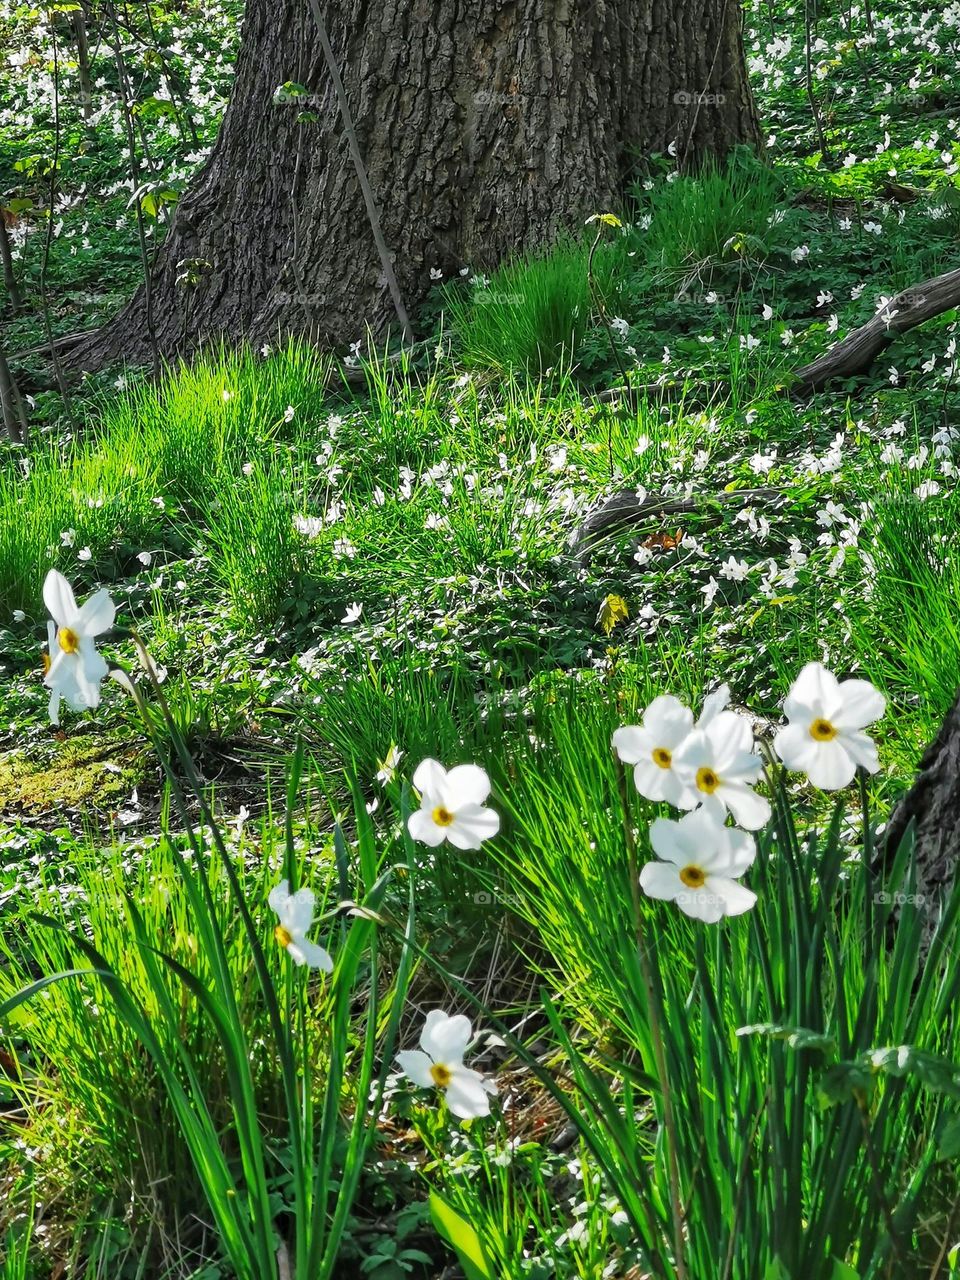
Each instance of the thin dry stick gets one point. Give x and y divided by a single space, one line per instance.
9 276
386 260
48 239
14 415
808 78
947 1238
126 95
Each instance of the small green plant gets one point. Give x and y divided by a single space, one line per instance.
530 314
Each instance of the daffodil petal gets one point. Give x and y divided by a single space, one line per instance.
96 614
468 1095
445 1038
59 598
416 1067
466 784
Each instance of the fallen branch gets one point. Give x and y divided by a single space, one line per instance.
858 350
626 508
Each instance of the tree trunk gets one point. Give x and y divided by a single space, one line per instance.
487 127
933 805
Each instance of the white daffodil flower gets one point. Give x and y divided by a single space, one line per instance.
650 747
824 737
295 913
438 1064
75 669
451 806
702 863
719 766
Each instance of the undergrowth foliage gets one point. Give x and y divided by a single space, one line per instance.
396 886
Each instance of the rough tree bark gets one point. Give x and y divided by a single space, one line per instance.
487 126
933 805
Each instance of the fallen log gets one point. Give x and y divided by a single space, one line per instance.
857 351
626 508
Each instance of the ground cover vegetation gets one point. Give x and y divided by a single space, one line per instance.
395 877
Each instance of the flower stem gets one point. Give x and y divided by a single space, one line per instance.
656 1032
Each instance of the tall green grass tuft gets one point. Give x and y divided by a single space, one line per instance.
250 1076
152 453
809 1058
720 214
530 314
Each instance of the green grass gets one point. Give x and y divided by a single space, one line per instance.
349 569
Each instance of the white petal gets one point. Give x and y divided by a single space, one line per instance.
59 599
814 689
472 825
53 706
468 1094
298 911
696 750
278 897
741 852
701 904
667 841
429 778
862 748
749 810
445 1038
733 898
794 745
416 1067
96 614
632 743
312 954
92 664
730 734
661 880
662 784
667 721
713 704
423 828
466 784
862 704
830 767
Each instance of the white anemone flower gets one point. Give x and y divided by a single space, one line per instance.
650 747
451 806
702 863
720 767
75 669
438 1064
295 912
827 717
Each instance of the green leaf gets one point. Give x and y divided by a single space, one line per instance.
795 1037
938 1074
844 1082
776 1271
948 1137
461 1237
843 1271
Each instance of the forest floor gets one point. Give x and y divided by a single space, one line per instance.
385 567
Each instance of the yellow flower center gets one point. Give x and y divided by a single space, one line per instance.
46 663
441 1075
442 817
283 936
822 731
68 640
662 757
693 877
707 780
